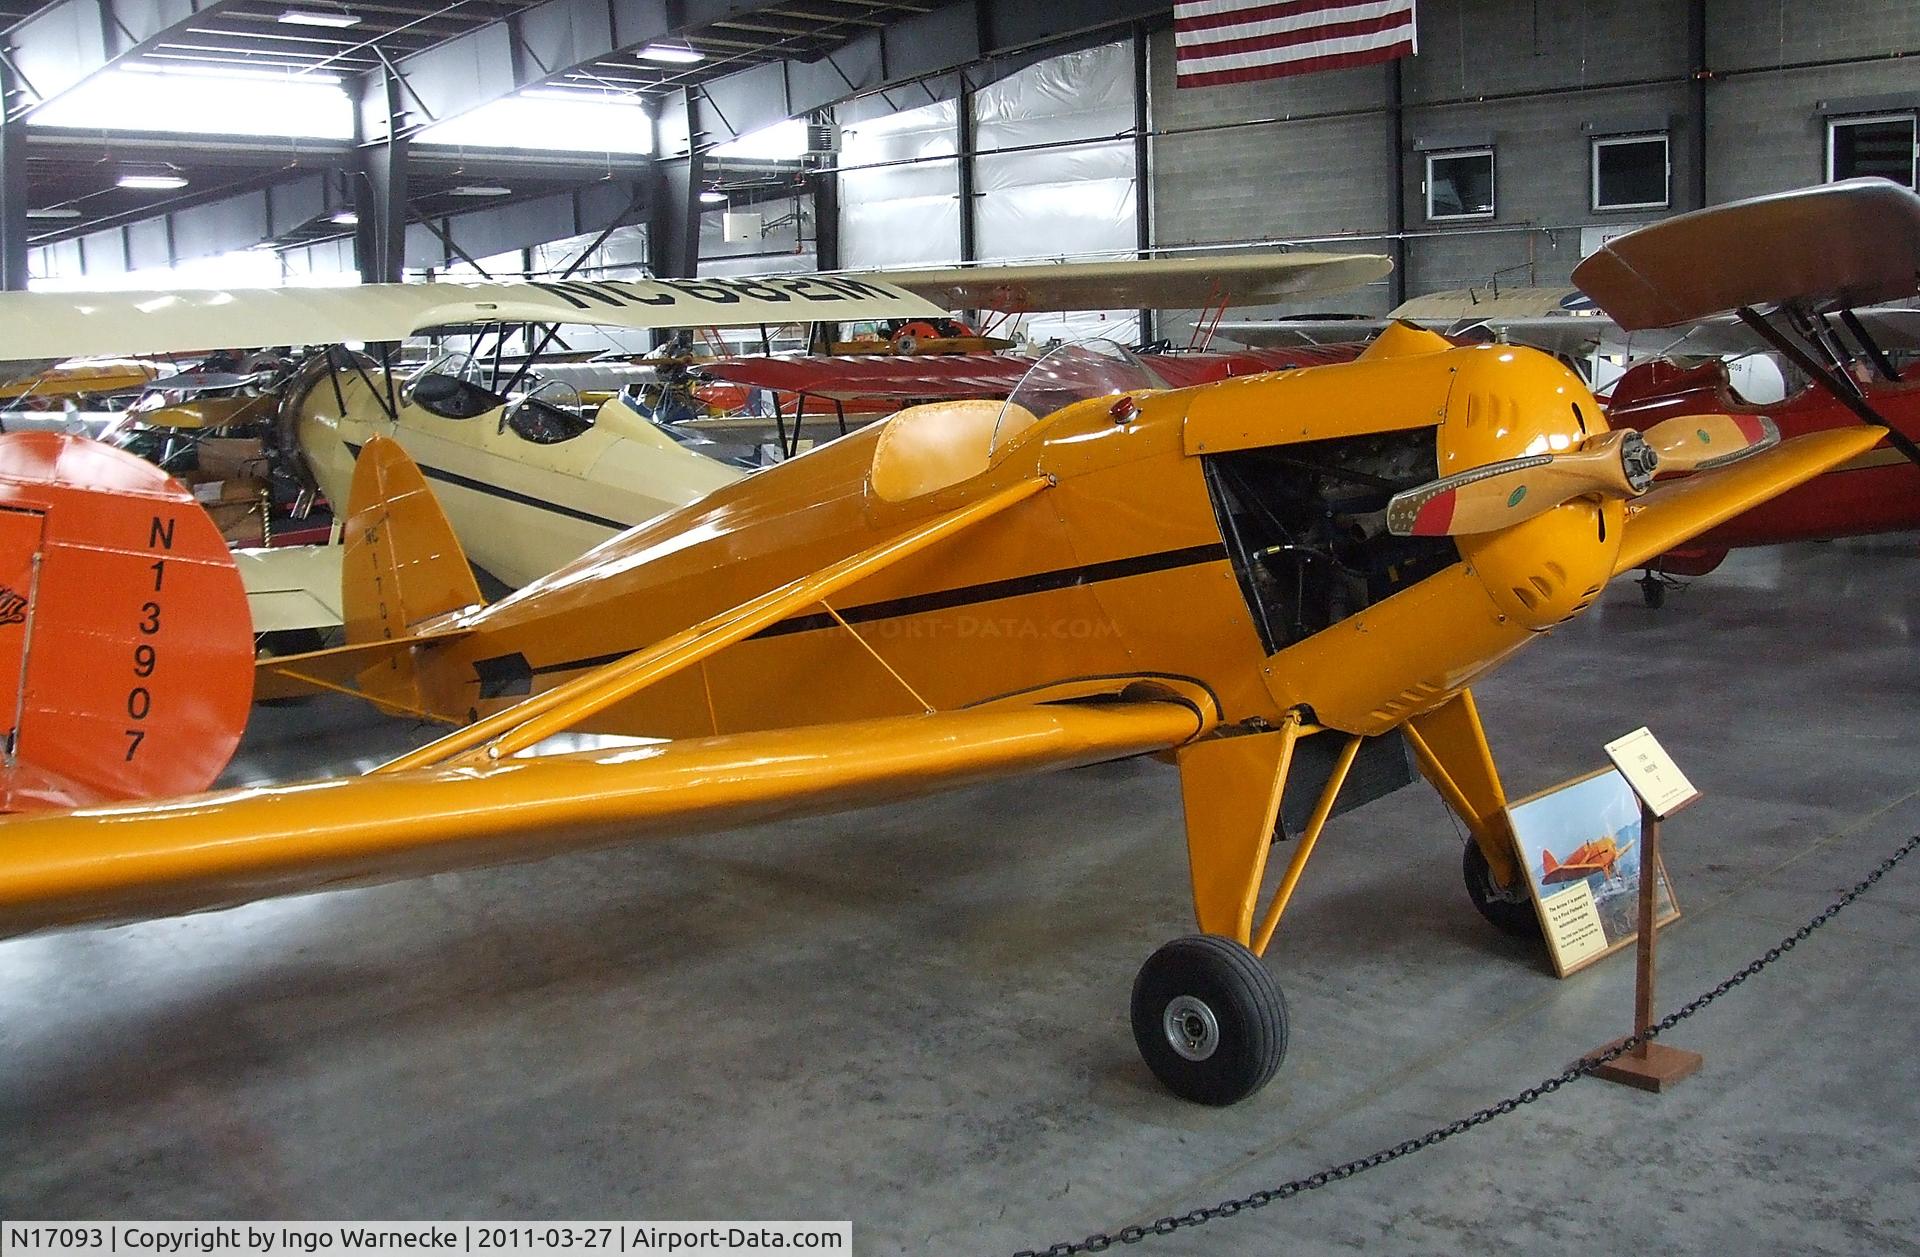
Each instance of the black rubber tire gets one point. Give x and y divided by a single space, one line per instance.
1653 592
1248 1010
1510 916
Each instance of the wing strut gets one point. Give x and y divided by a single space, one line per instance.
1835 382
518 727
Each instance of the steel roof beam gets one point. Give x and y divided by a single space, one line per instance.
564 37
70 41
530 47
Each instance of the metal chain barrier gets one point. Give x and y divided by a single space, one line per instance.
1440 1134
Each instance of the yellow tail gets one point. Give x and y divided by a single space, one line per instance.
403 567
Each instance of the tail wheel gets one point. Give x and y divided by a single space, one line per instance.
1653 591
1209 1019
1508 909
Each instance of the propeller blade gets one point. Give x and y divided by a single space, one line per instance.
1500 495
1703 442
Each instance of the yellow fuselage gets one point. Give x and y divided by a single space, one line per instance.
1122 569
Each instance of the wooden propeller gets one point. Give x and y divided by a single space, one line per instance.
1614 464
1704 442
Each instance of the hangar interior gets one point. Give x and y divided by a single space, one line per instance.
915 1015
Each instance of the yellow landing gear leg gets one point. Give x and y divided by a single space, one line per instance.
1451 748
1207 1016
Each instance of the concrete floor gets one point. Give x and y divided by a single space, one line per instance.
916 1016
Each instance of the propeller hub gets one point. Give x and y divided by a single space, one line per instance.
1639 461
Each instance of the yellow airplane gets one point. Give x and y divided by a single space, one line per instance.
1256 579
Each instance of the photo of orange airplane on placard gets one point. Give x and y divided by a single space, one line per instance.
1277 574
1597 857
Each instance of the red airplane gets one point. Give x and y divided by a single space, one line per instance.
1598 856
1851 376
1878 492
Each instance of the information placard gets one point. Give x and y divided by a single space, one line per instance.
1651 772
1580 844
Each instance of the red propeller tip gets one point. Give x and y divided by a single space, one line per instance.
1435 516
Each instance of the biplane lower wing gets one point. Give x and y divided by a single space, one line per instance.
221 849
1678 512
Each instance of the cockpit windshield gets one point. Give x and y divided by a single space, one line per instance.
1074 372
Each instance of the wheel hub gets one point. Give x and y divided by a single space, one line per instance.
1192 1030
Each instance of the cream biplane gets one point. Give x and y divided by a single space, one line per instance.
1263 579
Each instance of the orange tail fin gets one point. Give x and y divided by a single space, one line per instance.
403 567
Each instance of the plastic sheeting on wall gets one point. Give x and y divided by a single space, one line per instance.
622 255
903 215
1059 197
1063 196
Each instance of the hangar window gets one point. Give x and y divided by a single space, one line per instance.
1877 144
1631 172
1460 184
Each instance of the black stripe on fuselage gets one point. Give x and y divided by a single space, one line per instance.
948 599
508 495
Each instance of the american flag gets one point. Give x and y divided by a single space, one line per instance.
1237 41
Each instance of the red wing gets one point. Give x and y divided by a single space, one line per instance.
925 377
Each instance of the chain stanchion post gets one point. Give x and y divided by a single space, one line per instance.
1649 1065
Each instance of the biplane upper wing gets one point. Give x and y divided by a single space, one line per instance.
1852 243
62 325
214 850
1177 283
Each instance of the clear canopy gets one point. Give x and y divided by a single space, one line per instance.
1074 372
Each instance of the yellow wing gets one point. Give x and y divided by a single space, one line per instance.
1678 512
216 850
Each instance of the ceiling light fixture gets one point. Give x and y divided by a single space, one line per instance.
346 218
320 17
54 211
713 196
153 183
478 189
671 55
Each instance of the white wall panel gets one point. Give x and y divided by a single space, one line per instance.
1062 196
906 215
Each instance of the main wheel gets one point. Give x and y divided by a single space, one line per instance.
1209 1020
1509 909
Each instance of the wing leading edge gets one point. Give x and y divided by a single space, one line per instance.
221 849
1678 512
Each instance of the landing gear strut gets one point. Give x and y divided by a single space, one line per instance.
1209 1019
1654 586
